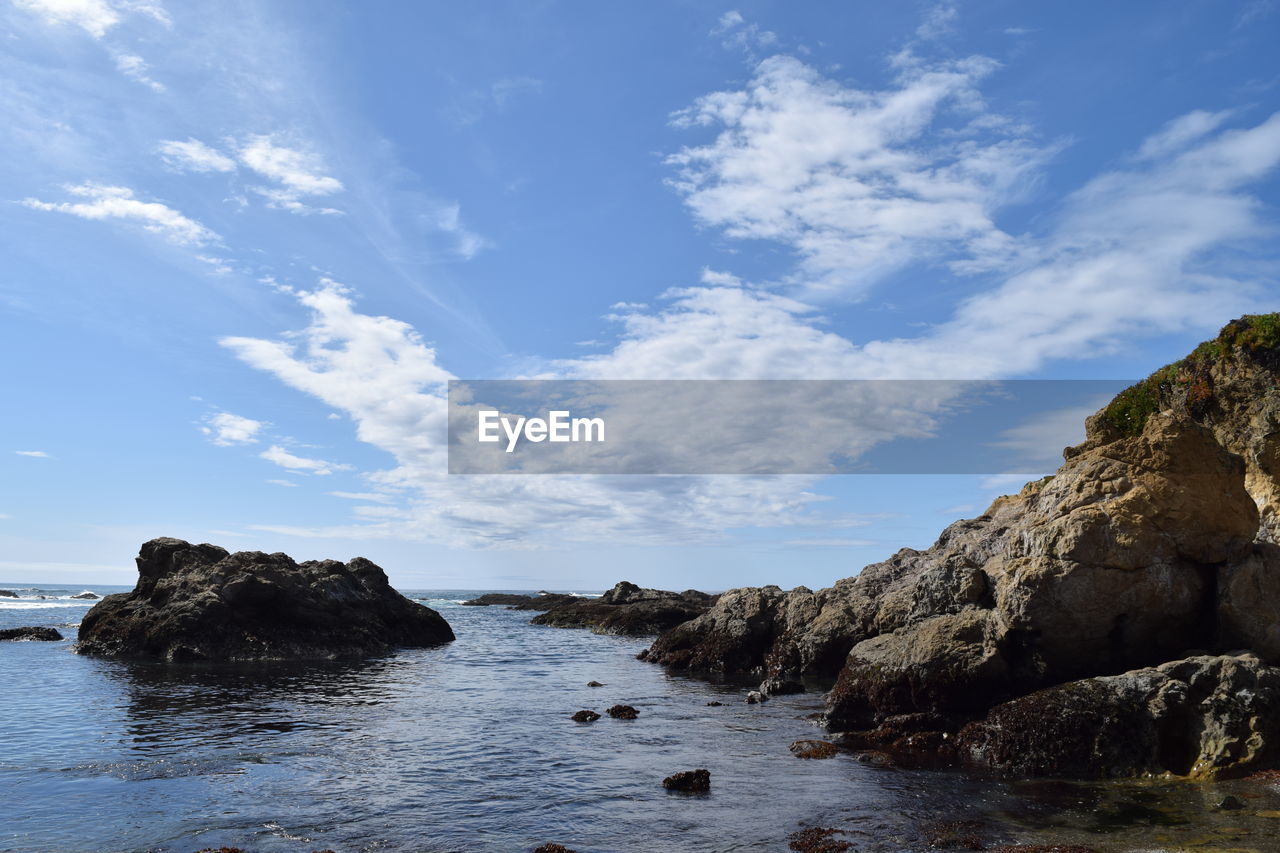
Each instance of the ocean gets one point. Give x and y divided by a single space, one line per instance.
469 747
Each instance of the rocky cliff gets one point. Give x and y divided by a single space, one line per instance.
1155 542
199 602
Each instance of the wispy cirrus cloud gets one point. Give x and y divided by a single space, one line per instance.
34 454
298 174
106 202
193 155
279 456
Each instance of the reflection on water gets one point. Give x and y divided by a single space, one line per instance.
469 747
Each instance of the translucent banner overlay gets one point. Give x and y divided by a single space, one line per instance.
768 427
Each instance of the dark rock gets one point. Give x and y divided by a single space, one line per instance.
714 704
780 687
628 609
33 634
623 712
813 749
815 839
491 598
1203 717
1230 803
755 697
8 593
688 780
87 596
546 601
552 848
594 684
198 602
585 716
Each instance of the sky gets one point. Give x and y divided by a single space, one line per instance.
247 244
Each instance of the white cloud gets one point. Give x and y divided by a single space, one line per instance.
468 243
288 483
225 429
93 16
939 21
194 156
1182 131
37 454
279 456
297 172
858 183
735 32
109 202
135 68
363 496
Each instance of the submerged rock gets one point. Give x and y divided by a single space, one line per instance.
623 712
585 716
199 602
689 780
46 635
553 848
491 598
594 684
813 749
628 609
1159 534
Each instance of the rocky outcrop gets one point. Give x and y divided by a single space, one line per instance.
1203 717
691 781
1157 536
546 601
199 602
45 635
490 599
8 593
87 596
628 609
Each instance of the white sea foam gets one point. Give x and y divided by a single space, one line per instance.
38 604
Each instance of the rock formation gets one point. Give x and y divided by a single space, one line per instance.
1157 539
46 635
628 609
8 593
199 602
490 599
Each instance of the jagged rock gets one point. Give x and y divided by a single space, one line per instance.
1205 717
623 712
1160 533
8 593
37 634
689 780
585 716
628 609
491 598
198 602
87 596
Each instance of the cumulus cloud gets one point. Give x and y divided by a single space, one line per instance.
279 456
104 202
225 429
194 156
298 174
858 183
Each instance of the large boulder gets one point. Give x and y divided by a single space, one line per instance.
1203 716
199 602
45 635
628 609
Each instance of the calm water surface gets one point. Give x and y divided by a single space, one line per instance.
469 747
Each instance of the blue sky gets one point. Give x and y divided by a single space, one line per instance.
246 244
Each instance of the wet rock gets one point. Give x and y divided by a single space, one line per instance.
553 848
594 684
755 697
8 593
813 749
585 716
87 596
490 599
954 835
1230 803
780 687
1203 717
623 712
546 601
199 602
816 839
628 609
1043 848
30 634
714 704
689 780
